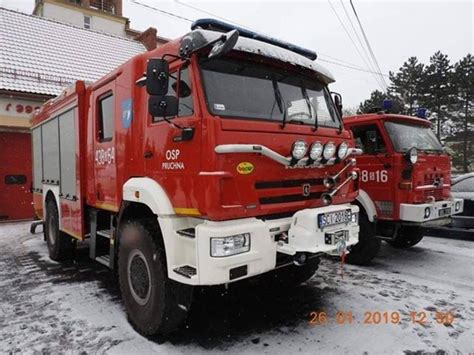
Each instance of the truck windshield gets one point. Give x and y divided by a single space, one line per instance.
246 89
405 136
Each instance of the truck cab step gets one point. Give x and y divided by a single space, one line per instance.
186 271
104 260
106 233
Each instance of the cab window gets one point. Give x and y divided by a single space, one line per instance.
369 139
106 117
185 105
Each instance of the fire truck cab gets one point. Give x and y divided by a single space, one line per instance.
405 179
213 158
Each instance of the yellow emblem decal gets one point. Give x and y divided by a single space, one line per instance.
245 168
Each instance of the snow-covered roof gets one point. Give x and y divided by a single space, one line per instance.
249 45
42 56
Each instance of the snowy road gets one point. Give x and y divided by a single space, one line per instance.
49 307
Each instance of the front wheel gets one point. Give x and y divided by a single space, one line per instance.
368 246
407 237
154 303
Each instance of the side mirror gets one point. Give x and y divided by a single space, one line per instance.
224 45
157 76
163 106
337 102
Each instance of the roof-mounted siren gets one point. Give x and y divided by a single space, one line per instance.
219 26
421 112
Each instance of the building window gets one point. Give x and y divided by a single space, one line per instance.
106 118
87 22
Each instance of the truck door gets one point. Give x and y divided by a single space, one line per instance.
376 172
105 168
166 155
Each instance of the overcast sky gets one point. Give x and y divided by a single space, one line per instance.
396 30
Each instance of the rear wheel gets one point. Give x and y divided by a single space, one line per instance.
368 246
60 245
154 303
407 237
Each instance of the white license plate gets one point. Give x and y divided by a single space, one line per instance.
444 212
333 218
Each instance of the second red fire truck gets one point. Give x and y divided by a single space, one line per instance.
405 181
217 157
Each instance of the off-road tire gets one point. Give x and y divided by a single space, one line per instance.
292 275
60 245
407 237
164 305
368 246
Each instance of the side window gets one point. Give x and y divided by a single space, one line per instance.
369 139
185 106
105 117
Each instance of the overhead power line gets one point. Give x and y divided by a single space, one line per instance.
377 79
368 43
353 67
162 11
359 40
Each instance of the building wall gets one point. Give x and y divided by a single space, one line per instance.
15 111
75 16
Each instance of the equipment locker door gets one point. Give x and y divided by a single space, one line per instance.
105 167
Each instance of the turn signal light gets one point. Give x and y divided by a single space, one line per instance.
405 185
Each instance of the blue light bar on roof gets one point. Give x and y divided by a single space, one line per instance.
216 25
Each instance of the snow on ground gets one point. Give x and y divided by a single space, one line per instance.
51 307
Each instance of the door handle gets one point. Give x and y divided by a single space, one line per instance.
148 154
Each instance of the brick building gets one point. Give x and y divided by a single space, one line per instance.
61 42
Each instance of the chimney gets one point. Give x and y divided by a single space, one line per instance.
148 38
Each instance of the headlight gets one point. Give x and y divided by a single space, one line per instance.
342 151
412 155
457 206
427 212
316 150
299 149
329 150
226 246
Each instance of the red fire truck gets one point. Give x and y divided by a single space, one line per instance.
199 163
405 179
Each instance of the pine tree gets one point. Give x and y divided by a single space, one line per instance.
375 103
463 82
407 84
438 90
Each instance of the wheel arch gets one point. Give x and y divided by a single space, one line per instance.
366 203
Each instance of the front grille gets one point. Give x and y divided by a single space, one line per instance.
289 198
293 194
287 183
430 178
436 193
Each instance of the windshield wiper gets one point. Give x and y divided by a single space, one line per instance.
280 101
308 102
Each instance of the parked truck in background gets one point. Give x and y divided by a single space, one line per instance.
213 158
405 180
